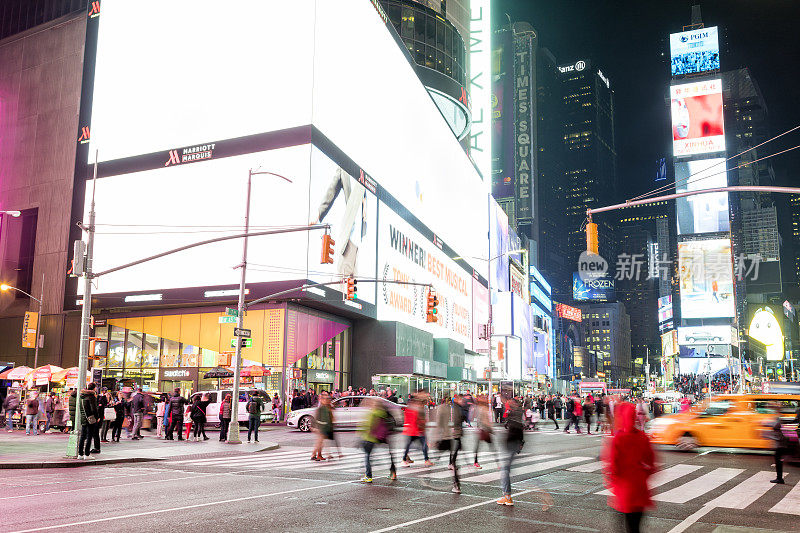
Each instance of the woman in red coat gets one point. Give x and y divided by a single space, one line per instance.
630 461
414 424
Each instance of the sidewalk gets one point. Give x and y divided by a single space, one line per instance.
18 450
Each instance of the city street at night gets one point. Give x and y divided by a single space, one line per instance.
556 482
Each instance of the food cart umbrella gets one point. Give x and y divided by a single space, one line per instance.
47 371
219 372
17 373
250 371
61 375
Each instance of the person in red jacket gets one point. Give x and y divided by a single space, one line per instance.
415 420
629 462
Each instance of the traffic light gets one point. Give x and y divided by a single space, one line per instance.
351 289
501 352
591 238
433 302
327 249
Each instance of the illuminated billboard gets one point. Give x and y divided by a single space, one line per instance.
697 123
694 51
701 213
595 290
765 327
705 350
480 86
704 335
706 278
569 312
669 343
665 308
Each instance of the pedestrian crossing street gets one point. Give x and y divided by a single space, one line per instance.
687 483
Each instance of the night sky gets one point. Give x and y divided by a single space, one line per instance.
629 42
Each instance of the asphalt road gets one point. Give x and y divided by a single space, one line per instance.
283 490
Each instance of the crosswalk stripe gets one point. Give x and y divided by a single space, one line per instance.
746 492
529 469
588 467
242 461
790 504
446 473
699 486
662 477
228 458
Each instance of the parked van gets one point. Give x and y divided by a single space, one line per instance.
216 397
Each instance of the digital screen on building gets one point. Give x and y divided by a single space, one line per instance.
593 290
702 213
706 278
697 121
702 365
694 51
569 312
665 308
669 344
704 335
765 327
177 140
705 350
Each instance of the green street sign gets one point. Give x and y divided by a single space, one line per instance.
246 343
228 319
231 311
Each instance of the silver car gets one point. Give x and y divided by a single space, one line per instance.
348 413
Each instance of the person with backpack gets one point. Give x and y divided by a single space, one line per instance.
375 430
176 404
254 407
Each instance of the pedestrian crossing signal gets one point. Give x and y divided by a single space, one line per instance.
352 289
327 249
433 302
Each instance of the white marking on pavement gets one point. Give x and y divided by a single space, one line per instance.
588 467
447 473
691 519
746 492
434 517
662 477
536 467
699 486
790 504
183 508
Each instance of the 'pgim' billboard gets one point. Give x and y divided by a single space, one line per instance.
694 51
697 120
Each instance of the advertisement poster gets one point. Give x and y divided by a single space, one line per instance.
702 213
499 262
665 308
697 123
694 51
704 335
705 350
596 290
669 345
706 278
765 327
405 255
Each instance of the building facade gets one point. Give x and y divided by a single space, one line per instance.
607 334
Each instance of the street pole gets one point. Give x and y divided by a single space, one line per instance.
38 328
83 358
233 429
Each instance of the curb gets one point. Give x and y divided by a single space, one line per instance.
74 463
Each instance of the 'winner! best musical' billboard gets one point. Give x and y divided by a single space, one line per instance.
697 123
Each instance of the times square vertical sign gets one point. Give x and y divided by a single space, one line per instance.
480 85
524 131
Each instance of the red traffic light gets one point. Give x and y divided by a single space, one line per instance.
327 249
433 302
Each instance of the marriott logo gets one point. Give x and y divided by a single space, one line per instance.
190 154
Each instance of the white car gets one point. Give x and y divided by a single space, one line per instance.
216 397
348 413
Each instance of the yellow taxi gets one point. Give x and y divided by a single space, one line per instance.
728 421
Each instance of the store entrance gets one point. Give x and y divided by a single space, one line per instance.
319 387
186 387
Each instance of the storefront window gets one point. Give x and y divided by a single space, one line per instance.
116 347
133 350
170 352
190 355
150 351
208 357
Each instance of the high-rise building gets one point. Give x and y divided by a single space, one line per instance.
590 155
794 208
607 339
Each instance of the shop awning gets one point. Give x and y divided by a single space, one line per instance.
219 372
250 371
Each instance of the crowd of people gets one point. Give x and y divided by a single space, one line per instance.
692 62
696 383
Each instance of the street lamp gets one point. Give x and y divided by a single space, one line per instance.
5 287
489 289
233 429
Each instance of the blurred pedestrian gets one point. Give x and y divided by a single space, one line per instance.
498 408
225 411
11 406
629 462
49 409
588 411
198 415
781 445
376 429
483 420
550 407
513 446
414 427
276 408
572 405
323 426
31 413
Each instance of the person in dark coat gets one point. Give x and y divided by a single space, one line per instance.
629 462
198 414
119 409
176 404
89 422
225 411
